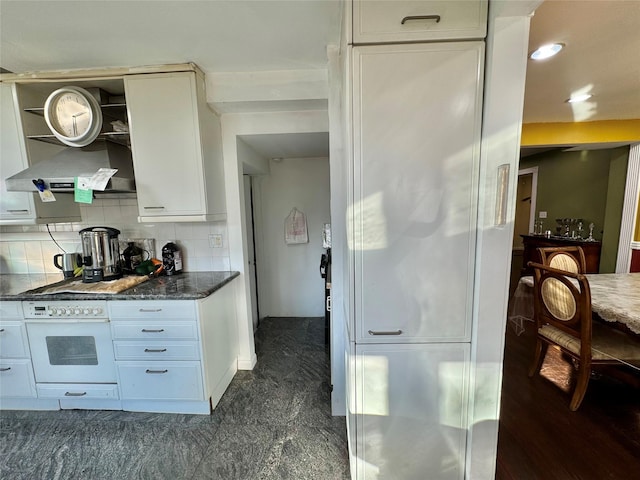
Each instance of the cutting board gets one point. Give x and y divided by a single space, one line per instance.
110 286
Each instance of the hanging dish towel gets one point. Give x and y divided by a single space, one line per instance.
295 228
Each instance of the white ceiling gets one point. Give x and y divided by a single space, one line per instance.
601 57
240 36
217 35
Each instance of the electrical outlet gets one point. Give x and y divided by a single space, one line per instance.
215 240
543 214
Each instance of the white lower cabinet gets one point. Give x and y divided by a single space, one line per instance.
16 373
16 378
13 339
161 380
174 356
410 411
157 351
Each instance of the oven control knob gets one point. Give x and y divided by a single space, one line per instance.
86 311
51 311
77 311
97 311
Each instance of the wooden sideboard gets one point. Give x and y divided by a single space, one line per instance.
532 242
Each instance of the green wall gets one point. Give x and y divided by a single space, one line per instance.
586 184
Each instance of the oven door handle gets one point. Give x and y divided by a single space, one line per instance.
66 320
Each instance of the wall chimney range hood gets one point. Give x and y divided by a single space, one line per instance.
60 170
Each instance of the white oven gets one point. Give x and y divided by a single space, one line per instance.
70 342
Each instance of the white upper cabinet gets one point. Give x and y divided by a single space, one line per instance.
23 208
416 147
176 147
382 21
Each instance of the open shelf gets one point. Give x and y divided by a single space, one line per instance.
121 138
106 108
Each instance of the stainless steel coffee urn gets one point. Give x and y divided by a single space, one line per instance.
100 254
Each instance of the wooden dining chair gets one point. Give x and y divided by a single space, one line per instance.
562 310
567 258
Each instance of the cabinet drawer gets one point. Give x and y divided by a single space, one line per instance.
16 378
156 350
156 330
160 309
160 380
13 340
11 310
78 390
413 21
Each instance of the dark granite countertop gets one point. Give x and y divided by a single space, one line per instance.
184 286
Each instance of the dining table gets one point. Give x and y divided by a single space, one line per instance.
615 300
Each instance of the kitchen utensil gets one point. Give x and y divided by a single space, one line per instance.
67 262
100 254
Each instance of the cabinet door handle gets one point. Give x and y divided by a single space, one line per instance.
75 394
155 350
147 330
150 310
393 332
18 211
5 369
156 371
153 208
420 17
1 330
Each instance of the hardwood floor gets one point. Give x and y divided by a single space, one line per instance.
540 438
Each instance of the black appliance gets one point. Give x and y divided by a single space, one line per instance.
325 272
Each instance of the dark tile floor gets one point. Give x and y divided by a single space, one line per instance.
272 423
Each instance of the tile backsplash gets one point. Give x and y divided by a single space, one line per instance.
30 248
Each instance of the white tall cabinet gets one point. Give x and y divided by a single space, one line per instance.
416 116
416 149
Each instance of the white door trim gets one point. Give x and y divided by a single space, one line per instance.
534 192
629 209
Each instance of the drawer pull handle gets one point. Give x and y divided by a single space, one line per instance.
18 211
155 350
153 208
1 330
150 310
148 330
394 332
74 394
156 371
420 17
5 369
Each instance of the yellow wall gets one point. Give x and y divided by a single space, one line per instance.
606 131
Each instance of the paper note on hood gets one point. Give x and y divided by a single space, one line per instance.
100 179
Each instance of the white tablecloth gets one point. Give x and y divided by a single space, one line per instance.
615 297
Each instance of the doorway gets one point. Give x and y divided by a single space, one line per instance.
288 280
524 219
250 220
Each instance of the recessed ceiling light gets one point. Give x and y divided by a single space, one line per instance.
579 98
546 51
